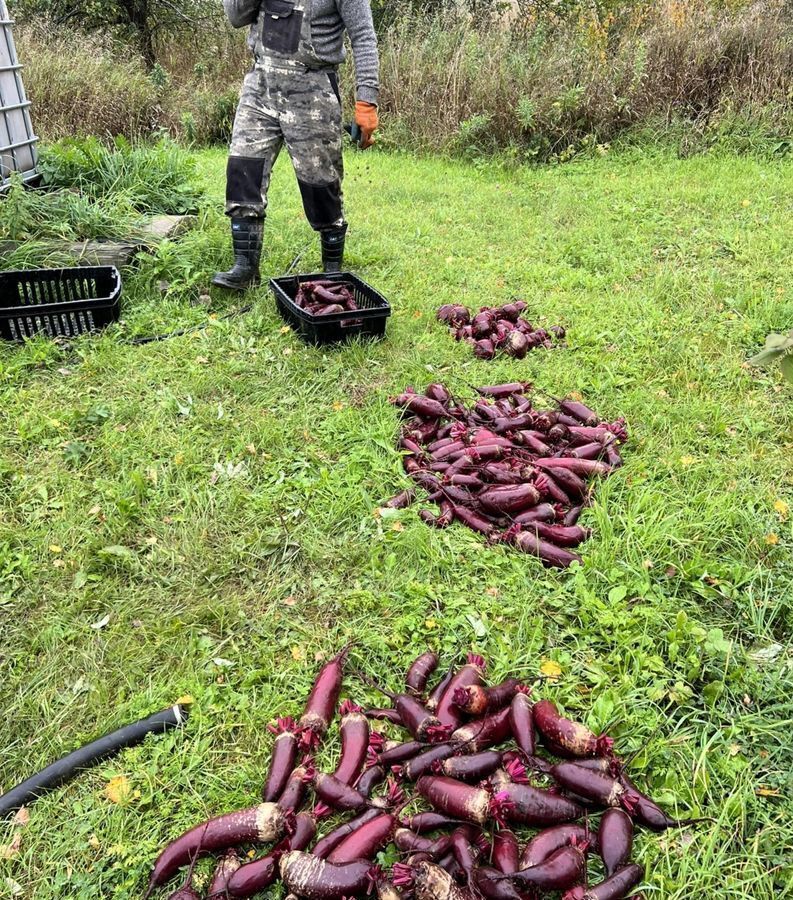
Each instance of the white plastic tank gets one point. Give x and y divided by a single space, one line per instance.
17 140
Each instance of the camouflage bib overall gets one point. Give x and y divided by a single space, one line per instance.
289 98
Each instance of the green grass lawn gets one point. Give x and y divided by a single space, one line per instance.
199 516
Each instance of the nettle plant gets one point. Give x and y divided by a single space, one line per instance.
778 347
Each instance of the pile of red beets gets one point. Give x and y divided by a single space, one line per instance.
513 472
323 298
484 793
498 328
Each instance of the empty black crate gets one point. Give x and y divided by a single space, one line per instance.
58 302
369 320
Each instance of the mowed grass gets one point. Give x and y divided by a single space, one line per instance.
198 516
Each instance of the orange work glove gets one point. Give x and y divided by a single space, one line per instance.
367 120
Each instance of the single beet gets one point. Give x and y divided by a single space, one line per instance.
521 723
365 841
420 671
479 734
354 731
370 779
336 794
579 412
489 885
615 839
228 864
455 798
471 768
548 841
324 697
429 821
330 841
401 752
257 825
408 841
316 879
600 789
528 805
439 690
509 499
558 872
476 700
284 756
473 672
294 793
565 737
506 851
616 887
499 391
551 555
431 882
559 535
423 763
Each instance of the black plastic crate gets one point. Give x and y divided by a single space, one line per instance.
58 302
369 320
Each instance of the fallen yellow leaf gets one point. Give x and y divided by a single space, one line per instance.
9 851
22 817
767 792
551 669
54 548
185 700
397 526
118 789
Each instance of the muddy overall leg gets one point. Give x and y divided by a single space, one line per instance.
255 145
312 129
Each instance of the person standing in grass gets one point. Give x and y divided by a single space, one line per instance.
292 97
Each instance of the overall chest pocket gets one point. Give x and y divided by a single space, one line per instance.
281 25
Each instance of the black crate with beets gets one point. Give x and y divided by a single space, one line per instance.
60 303
367 319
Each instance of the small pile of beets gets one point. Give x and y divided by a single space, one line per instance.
512 472
324 298
498 328
516 798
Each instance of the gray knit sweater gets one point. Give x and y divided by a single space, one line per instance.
329 20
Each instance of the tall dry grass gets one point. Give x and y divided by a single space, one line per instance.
538 84
545 88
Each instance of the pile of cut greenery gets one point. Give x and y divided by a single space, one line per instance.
95 191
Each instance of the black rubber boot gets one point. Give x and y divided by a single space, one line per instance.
246 238
333 248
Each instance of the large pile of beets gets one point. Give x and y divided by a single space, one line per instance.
486 793
506 468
